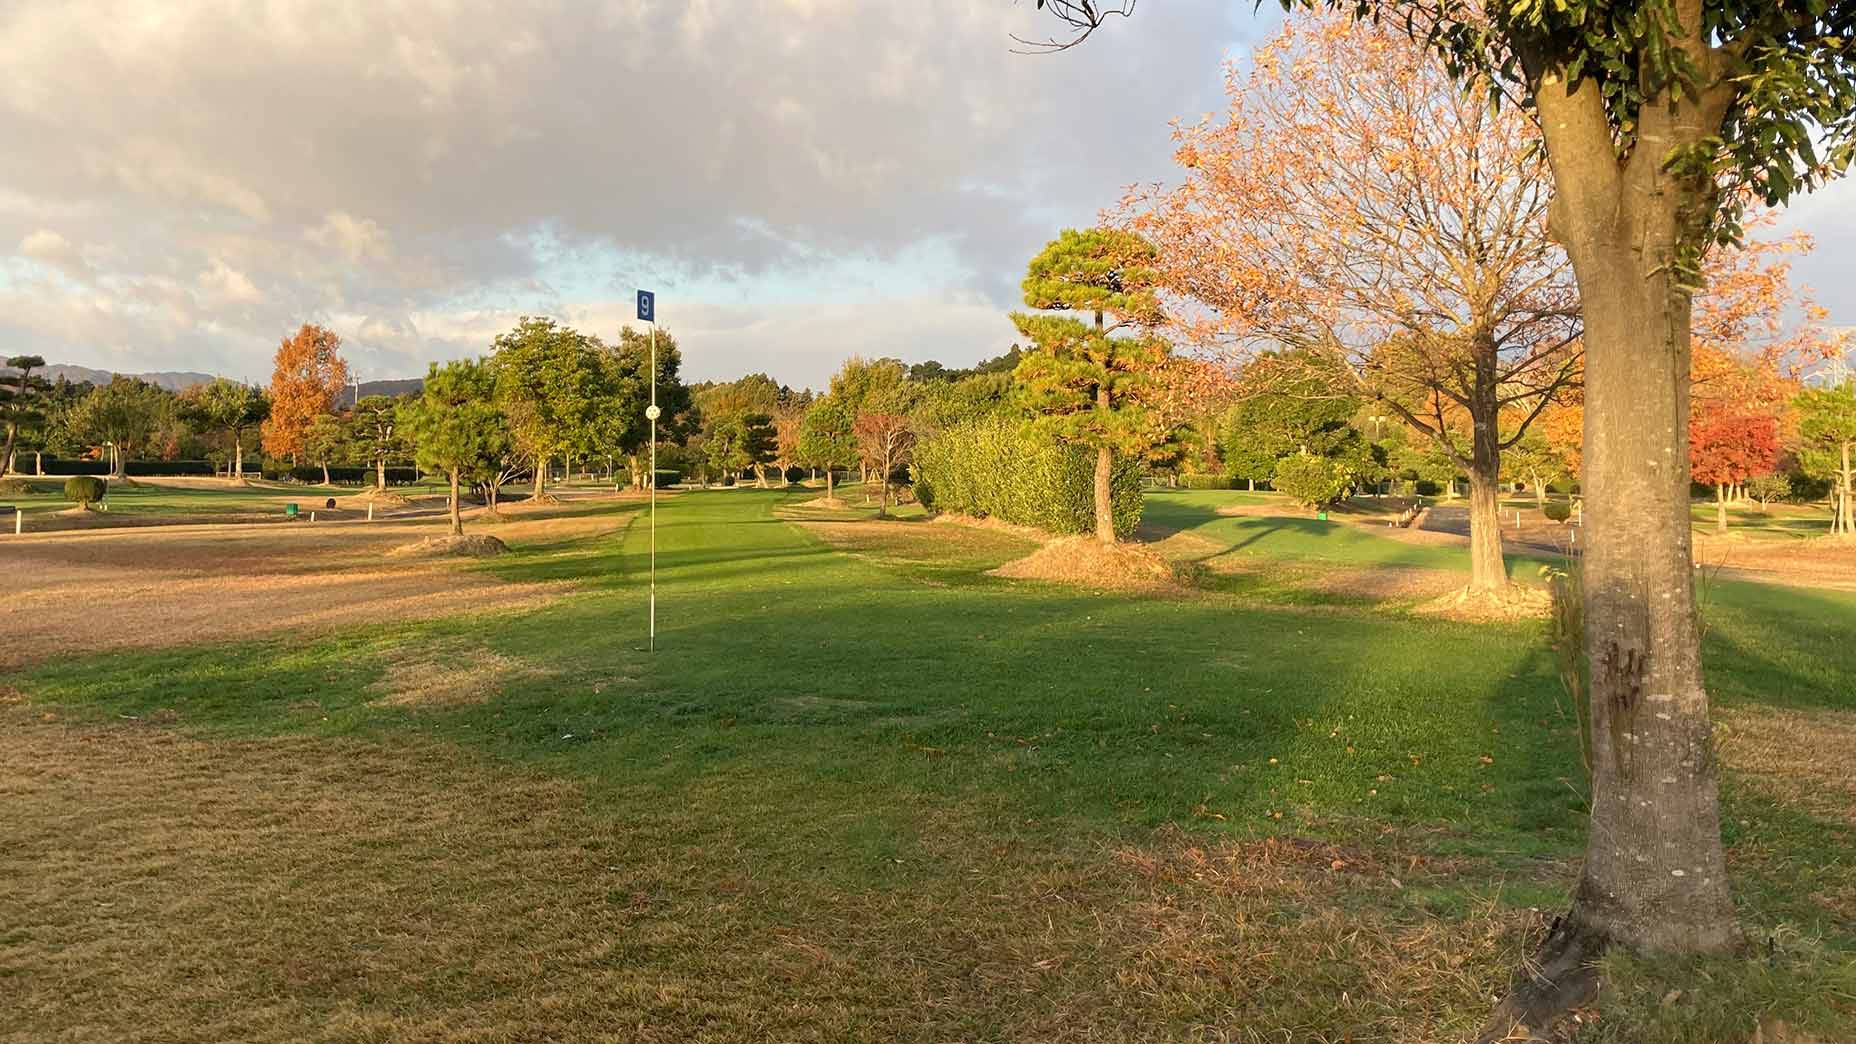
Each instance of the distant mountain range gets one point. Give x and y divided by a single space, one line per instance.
172 380
181 380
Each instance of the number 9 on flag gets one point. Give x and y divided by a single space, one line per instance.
647 306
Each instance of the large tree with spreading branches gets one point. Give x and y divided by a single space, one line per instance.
1660 119
1356 205
307 377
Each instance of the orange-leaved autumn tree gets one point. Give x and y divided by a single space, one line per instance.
307 378
1728 445
1753 330
1356 205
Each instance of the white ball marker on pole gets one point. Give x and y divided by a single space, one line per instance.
647 313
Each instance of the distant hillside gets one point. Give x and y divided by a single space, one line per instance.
409 386
172 380
181 380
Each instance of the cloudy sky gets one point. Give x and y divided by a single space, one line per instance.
185 182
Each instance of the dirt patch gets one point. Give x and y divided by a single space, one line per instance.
446 674
1795 757
1828 562
82 592
469 545
830 503
1087 562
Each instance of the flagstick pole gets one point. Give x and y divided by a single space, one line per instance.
653 642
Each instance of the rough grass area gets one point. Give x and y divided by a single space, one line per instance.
158 887
72 593
863 792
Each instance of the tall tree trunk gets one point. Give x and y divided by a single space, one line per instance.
457 522
1105 502
1720 508
1105 468
6 455
1655 876
38 462
380 473
325 473
1540 492
541 477
238 459
827 482
1487 569
1846 506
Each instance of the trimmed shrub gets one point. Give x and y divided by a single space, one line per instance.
1207 482
1315 481
85 490
996 468
1557 510
668 476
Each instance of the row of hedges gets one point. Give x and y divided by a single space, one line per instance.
341 475
1220 482
135 468
997 468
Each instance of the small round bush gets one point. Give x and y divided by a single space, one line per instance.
84 490
1315 481
1557 510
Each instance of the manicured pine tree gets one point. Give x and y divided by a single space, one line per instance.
1096 384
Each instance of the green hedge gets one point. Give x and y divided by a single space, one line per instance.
85 490
997 468
1208 482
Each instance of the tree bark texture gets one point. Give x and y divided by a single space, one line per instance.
457 523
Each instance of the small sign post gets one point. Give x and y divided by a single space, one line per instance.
647 313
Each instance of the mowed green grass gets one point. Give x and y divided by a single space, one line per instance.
1006 810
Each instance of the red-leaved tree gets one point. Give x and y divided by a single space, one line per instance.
1727 446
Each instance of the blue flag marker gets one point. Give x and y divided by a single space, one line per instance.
647 306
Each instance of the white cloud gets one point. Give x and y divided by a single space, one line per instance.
225 285
356 239
236 167
52 248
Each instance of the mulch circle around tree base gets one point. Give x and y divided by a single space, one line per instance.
1087 562
471 545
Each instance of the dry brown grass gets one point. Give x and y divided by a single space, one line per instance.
447 673
1802 758
156 887
1814 562
146 588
